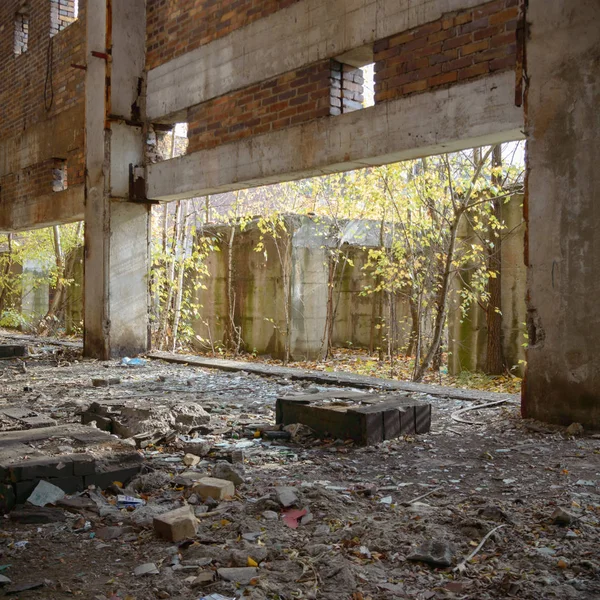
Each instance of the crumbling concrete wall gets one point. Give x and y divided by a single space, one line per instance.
257 294
467 333
42 117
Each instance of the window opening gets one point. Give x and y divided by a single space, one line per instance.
62 14
21 30
59 175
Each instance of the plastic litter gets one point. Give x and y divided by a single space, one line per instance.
129 501
133 362
45 493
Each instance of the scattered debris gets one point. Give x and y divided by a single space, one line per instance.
434 553
146 569
210 487
562 517
45 493
350 525
176 525
574 429
241 575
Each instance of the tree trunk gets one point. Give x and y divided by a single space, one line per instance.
440 311
162 333
60 270
414 330
180 279
494 355
6 274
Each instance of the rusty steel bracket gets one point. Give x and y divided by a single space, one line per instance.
102 55
137 187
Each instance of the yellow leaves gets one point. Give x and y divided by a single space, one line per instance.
252 562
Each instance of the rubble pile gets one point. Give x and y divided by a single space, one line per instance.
227 504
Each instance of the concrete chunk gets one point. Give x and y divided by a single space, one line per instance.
243 575
210 487
176 525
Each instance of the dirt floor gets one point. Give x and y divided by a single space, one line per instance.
369 510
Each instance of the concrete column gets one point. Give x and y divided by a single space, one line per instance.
117 230
563 131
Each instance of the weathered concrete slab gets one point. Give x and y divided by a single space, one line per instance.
341 379
344 417
31 455
466 115
27 418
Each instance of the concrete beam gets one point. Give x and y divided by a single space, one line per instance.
43 211
463 116
301 34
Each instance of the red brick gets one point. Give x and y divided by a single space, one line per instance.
474 47
508 62
474 71
443 79
489 8
417 86
426 30
504 16
455 42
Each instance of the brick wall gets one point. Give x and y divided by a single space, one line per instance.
174 27
292 98
35 87
457 47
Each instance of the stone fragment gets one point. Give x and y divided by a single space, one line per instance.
176 525
4 580
197 446
286 496
562 517
204 578
218 489
228 472
45 493
146 569
574 429
191 460
242 575
270 515
109 533
434 553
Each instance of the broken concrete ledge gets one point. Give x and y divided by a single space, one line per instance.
339 379
296 374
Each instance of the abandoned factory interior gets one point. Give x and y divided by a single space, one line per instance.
299 299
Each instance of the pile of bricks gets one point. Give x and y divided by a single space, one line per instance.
455 48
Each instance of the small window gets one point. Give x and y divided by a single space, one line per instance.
21 30
59 175
62 14
352 81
